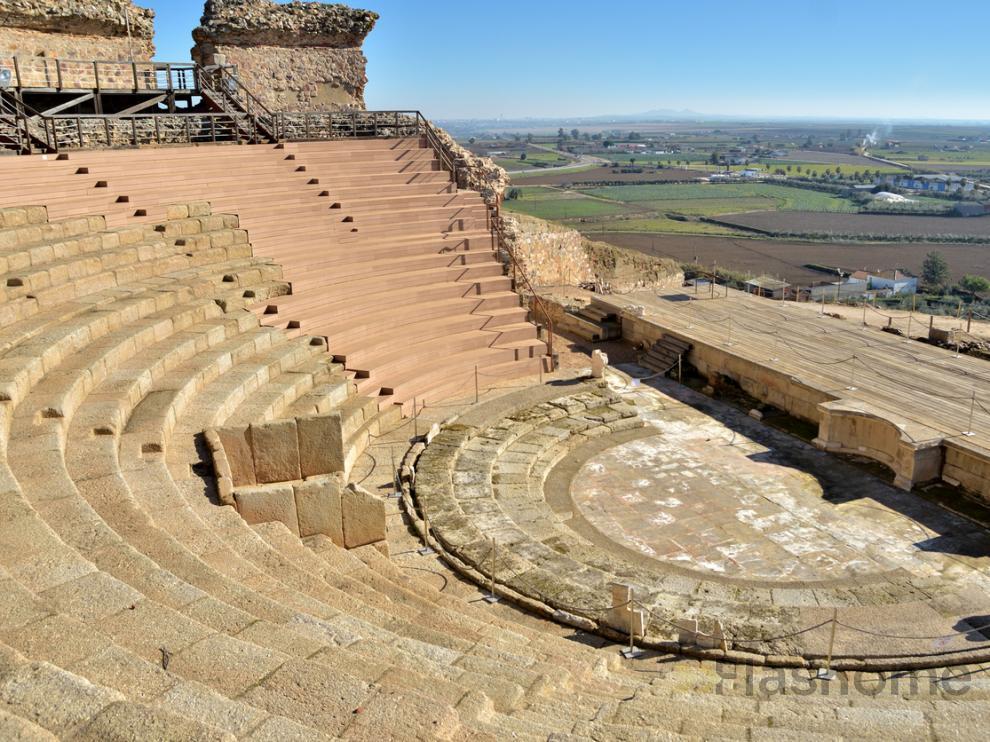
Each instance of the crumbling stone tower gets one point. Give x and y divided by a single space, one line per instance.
295 57
77 29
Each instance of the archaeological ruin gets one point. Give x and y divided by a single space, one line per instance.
301 438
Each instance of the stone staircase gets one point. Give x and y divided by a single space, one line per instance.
662 356
604 320
372 236
135 607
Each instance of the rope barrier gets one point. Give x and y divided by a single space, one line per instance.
940 637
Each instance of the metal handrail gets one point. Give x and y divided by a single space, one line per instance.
449 161
24 117
57 69
76 131
226 86
519 271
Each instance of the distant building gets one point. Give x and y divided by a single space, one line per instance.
891 282
933 182
751 172
866 284
767 287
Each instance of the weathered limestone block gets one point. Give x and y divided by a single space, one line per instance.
318 506
236 444
273 503
913 452
321 444
294 57
76 30
625 615
599 362
276 451
363 517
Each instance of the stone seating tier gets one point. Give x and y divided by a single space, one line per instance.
369 233
137 605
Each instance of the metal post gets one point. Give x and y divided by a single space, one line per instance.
476 394
492 597
415 418
632 653
972 410
396 475
825 673
679 356
427 549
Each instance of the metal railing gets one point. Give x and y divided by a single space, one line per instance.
222 87
136 130
47 73
324 125
24 127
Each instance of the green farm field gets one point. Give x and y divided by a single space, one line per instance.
649 208
710 199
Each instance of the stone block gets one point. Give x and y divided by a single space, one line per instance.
237 449
363 517
176 211
276 451
321 444
318 507
599 362
274 503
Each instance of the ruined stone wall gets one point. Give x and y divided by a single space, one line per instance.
555 255
479 174
294 57
75 29
551 254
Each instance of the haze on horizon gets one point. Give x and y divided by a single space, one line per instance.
461 59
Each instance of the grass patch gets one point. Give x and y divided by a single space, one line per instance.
558 205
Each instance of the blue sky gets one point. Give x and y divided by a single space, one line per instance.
834 58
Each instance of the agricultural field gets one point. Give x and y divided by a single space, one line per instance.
561 205
787 259
607 175
719 198
865 224
650 207
534 158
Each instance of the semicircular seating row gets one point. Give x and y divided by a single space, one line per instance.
130 598
386 258
134 606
